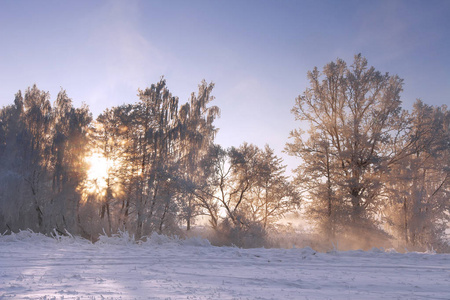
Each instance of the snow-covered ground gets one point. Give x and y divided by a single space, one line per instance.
36 267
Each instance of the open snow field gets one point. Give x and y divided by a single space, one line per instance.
36 267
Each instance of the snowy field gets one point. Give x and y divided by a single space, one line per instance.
36 267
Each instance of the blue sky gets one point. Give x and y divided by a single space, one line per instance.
256 52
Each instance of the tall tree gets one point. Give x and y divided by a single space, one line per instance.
13 141
419 185
351 111
197 133
156 153
69 147
160 128
38 123
41 161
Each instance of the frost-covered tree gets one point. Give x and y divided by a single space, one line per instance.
351 112
249 187
38 121
155 152
272 195
197 133
40 162
12 191
68 170
418 190
159 122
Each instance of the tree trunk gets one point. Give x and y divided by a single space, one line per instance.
405 210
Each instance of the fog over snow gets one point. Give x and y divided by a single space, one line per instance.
33 266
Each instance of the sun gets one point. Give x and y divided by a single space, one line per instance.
97 173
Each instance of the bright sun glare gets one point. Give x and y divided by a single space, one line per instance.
97 173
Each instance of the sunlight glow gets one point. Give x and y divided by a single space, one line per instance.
97 174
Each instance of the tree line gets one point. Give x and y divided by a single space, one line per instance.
163 168
367 168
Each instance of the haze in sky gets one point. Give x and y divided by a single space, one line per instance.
256 52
